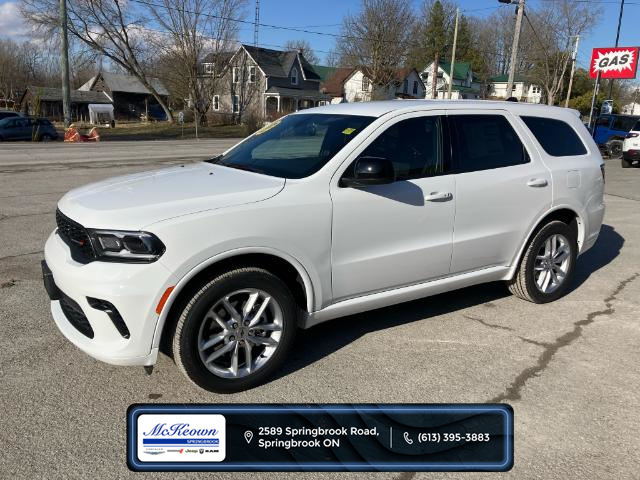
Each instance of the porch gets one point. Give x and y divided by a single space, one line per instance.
280 101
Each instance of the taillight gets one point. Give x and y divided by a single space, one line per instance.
632 135
602 170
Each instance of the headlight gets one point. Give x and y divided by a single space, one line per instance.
122 246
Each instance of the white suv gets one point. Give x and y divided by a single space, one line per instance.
324 213
631 147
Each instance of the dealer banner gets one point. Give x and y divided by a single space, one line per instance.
619 62
309 437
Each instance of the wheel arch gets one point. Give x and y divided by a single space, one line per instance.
290 270
563 213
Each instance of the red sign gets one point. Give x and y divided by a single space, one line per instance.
620 62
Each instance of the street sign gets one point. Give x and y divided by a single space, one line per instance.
619 62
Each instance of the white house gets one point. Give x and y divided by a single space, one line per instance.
465 84
357 86
523 90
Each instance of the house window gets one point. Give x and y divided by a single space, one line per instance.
236 75
252 74
208 68
235 103
294 76
365 84
216 102
405 86
415 87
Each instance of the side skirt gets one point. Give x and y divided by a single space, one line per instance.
403 294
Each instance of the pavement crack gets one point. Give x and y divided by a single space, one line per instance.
513 392
6 217
20 255
487 324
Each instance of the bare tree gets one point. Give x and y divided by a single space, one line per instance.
553 29
304 48
377 39
114 29
195 29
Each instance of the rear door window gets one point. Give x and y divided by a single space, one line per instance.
556 137
484 142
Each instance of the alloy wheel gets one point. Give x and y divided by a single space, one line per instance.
240 333
552 263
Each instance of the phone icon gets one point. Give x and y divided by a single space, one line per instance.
407 439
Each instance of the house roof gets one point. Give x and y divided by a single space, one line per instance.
460 69
505 79
278 63
49 94
118 82
333 84
324 72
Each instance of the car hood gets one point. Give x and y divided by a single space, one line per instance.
133 201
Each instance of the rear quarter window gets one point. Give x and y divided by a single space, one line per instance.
556 137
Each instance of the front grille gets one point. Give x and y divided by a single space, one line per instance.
76 237
76 316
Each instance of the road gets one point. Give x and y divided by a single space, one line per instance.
569 369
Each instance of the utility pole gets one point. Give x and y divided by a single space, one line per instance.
453 55
64 61
514 47
617 39
573 69
256 24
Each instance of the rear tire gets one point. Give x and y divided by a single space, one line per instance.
547 265
225 344
615 148
625 163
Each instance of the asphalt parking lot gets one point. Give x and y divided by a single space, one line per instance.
569 369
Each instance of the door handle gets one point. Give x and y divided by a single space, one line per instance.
438 196
537 182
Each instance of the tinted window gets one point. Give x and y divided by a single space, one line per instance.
484 142
414 146
624 124
295 146
556 137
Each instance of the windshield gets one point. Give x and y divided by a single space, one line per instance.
295 146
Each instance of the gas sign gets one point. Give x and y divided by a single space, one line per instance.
619 62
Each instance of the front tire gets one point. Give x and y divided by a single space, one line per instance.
235 331
547 266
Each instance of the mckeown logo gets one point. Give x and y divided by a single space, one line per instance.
179 430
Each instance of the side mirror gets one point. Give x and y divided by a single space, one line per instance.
370 171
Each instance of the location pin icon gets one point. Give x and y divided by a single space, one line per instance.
248 435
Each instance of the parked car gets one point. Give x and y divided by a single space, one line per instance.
27 128
610 130
8 114
631 147
324 213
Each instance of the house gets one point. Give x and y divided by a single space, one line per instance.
332 81
266 83
465 84
355 85
523 90
130 98
47 102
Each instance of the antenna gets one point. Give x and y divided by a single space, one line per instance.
256 24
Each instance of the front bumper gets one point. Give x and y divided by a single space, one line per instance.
133 289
